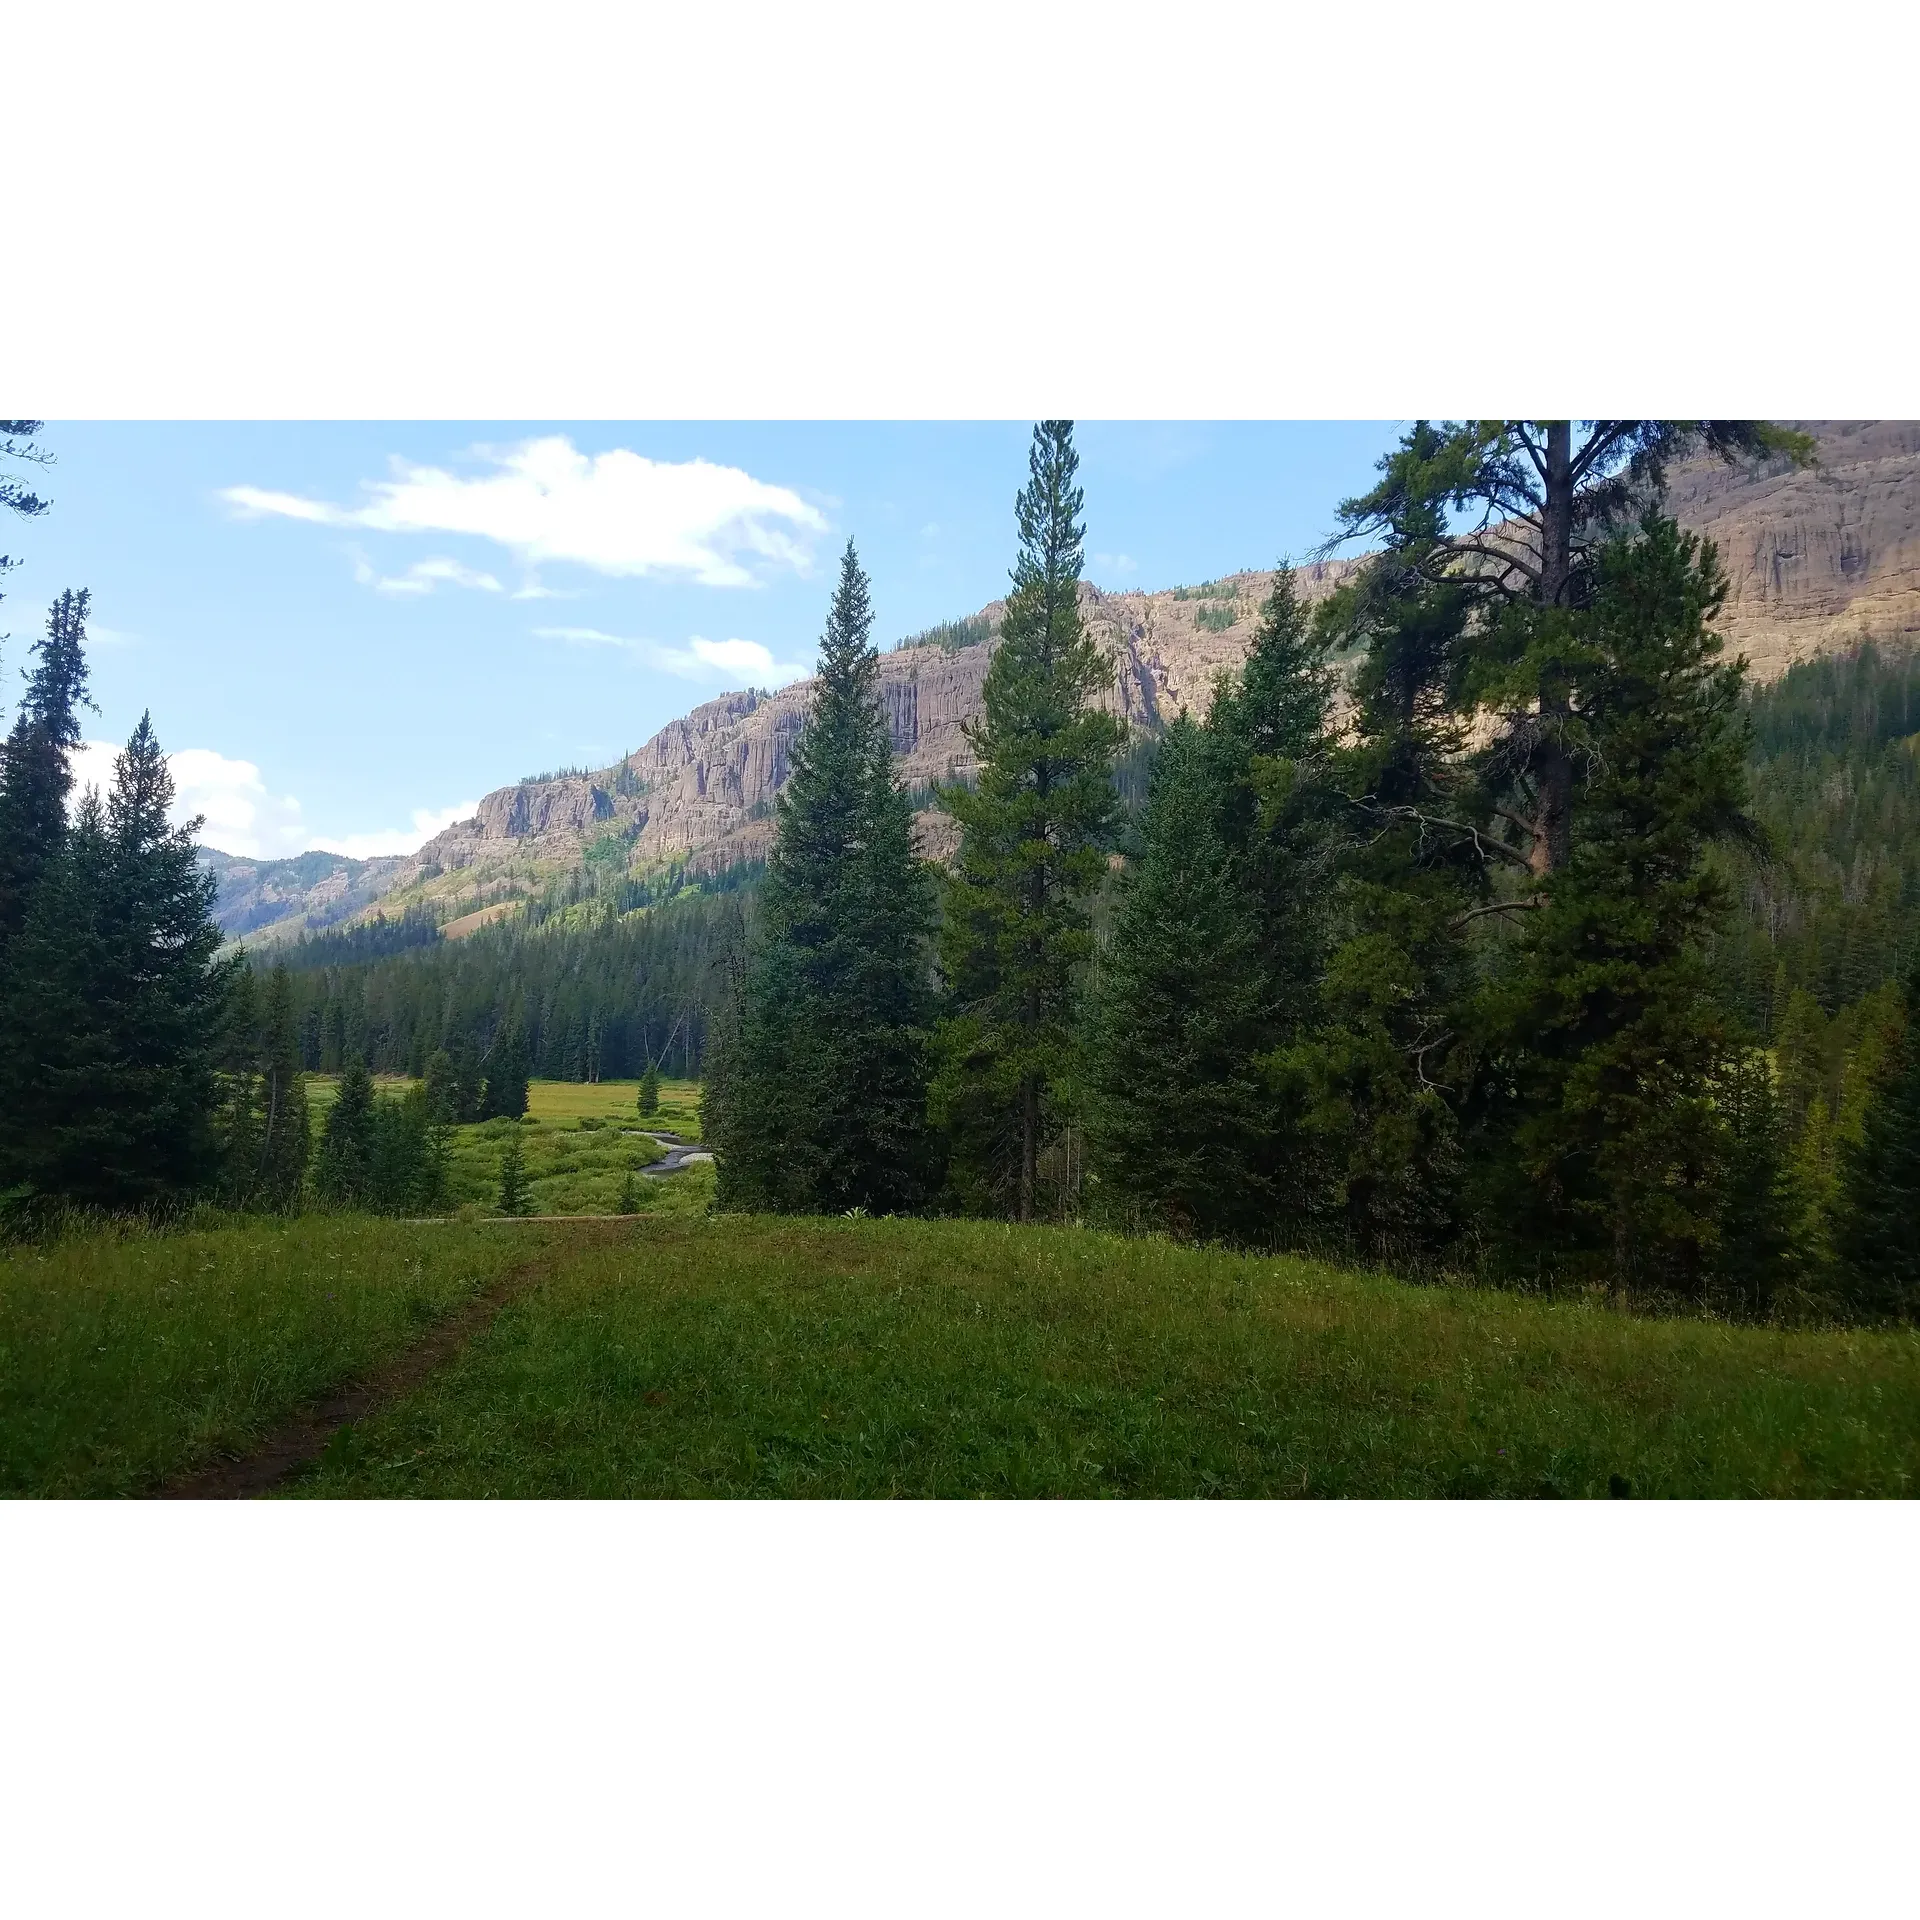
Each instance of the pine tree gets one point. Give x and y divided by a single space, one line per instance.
400 1161
61 1124
286 1120
468 1084
505 1097
1550 496
1380 1067
116 1005
1268 735
436 1157
36 774
515 1200
1176 1117
343 1173
238 1120
1877 1235
442 1088
169 986
649 1098
629 1193
821 1101
1035 831
1605 1022
1760 1256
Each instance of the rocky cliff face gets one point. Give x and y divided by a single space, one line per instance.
1816 561
1819 559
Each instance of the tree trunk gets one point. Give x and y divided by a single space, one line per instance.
1552 764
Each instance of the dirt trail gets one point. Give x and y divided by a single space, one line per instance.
304 1436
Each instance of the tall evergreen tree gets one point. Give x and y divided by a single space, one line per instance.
1035 831
1268 735
442 1087
1760 1253
515 1201
1878 1232
1604 1025
508 1071
820 1094
343 1171
285 1120
469 1085
1177 1119
238 1119
60 1120
36 774
170 987
119 1000
1381 1068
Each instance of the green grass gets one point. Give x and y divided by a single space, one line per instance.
738 1356
695 1355
126 1359
578 1139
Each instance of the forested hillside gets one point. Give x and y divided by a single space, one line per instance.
593 995
1832 905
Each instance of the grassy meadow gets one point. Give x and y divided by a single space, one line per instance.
127 1357
688 1354
578 1140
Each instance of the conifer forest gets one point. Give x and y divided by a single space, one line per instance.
1486 927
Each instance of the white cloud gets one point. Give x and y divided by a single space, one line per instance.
254 503
699 659
241 816
1116 563
426 823
110 636
423 576
617 512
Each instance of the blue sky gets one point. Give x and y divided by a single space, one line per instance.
347 633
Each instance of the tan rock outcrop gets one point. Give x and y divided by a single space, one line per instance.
1816 560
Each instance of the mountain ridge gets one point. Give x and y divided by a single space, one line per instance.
1816 560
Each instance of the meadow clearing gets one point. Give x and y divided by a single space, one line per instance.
680 1353
579 1140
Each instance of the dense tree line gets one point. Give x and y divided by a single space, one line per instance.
1830 895
112 999
588 997
1434 975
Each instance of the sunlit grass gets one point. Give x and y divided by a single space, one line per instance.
126 1358
579 1140
743 1356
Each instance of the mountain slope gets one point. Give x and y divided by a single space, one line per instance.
1816 560
280 899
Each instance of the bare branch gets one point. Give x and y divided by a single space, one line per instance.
1483 843
1499 906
